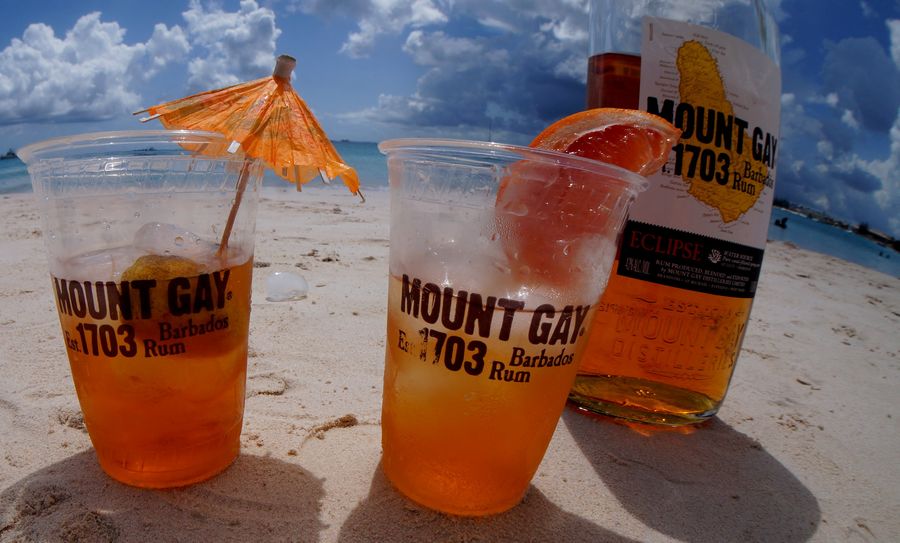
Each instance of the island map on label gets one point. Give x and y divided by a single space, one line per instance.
717 133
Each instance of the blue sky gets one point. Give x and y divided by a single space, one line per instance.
375 69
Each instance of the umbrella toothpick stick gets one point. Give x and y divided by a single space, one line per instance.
232 215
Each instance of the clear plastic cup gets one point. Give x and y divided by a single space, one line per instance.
498 256
154 311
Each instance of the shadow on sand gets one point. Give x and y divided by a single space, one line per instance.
714 484
256 499
386 515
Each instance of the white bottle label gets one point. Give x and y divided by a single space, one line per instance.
702 224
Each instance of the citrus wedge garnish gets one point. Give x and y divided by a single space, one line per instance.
546 214
635 140
160 268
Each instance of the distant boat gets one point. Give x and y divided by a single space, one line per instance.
781 223
9 154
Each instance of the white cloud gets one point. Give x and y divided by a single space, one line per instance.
848 69
867 9
391 16
529 56
87 74
849 119
238 46
894 31
91 73
571 68
830 99
438 49
888 197
565 18
496 24
377 17
566 30
167 45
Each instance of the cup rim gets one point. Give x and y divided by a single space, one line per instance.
47 147
475 148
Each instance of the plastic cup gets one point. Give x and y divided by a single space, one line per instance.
498 256
154 317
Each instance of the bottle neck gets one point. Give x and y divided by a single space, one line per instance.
616 25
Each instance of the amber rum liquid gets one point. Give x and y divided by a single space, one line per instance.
467 416
660 354
160 370
668 329
614 80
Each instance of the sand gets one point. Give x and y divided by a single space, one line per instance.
805 447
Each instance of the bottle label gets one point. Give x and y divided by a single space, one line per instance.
685 260
703 222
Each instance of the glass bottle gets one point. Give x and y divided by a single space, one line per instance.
670 324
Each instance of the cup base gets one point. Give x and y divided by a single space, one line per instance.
169 478
617 397
445 506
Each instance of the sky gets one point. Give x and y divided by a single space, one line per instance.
477 69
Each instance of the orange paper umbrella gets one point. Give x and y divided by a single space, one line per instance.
269 121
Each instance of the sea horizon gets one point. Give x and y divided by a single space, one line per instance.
802 228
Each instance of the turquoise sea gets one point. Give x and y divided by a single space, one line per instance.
372 169
364 156
13 176
824 238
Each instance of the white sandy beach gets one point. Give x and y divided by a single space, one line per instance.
804 449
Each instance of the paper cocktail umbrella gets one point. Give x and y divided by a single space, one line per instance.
270 122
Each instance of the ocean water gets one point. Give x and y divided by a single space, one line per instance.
824 238
369 163
371 166
365 158
14 176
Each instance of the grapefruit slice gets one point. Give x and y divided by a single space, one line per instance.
635 140
547 214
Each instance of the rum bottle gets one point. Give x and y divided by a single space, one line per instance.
669 327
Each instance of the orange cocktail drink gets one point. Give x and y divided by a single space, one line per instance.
484 337
161 388
154 309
